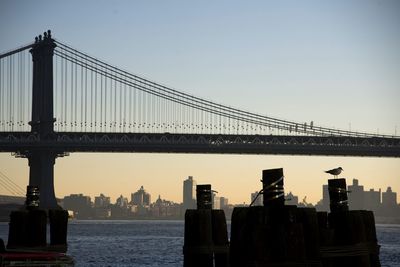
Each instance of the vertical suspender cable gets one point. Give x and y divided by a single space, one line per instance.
120 107
115 106
86 102
101 102
76 96
11 92
91 100
105 100
81 90
71 108
65 95
95 101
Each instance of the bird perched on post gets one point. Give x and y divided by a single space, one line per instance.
335 172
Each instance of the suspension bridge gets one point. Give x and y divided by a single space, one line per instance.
55 99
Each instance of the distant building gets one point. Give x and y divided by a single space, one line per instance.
165 209
216 201
258 201
81 205
356 196
121 202
389 198
189 194
325 198
291 199
372 200
141 198
223 202
101 201
120 210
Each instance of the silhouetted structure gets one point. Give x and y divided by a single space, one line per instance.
81 205
206 237
389 198
141 197
257 198
356 196
56 135
291 199
189 193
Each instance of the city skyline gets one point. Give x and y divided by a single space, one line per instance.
287 60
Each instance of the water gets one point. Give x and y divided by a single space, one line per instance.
159 243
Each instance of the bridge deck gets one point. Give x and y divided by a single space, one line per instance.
63 142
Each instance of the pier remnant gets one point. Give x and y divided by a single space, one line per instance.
349 239
28 226
274 234
206 237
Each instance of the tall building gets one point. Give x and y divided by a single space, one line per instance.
356 196
189 193
223 202
141 197
101 201
81 205
216 201
258 201
372 200
389 198
325 198
121 202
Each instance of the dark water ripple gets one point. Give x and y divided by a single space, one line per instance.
159 243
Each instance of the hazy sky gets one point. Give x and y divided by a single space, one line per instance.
336 63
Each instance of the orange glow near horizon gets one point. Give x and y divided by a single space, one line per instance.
233 176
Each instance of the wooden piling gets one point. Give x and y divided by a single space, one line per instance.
37 223
272 180
220 238
58 220
198 239
18 229
338 195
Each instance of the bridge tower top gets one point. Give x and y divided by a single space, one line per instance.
42 85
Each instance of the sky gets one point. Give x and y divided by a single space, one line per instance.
336 63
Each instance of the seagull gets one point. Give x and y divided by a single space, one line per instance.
335 172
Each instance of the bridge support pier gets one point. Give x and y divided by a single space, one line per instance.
41 174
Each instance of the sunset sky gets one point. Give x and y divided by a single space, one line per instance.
336 63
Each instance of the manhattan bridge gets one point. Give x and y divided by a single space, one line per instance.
55 99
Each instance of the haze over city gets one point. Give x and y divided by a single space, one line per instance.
334 63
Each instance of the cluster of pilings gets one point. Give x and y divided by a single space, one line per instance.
280 235
28 226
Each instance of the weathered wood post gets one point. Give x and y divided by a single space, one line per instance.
275 234
206 235
354 235
58 220
28 227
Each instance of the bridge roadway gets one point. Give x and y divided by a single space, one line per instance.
65 142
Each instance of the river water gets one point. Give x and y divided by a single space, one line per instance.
159 243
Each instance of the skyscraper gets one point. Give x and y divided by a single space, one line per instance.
372 200
356 196
189 193
141 198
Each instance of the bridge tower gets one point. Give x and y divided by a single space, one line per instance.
42 159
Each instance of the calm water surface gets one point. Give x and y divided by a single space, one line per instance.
159 243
